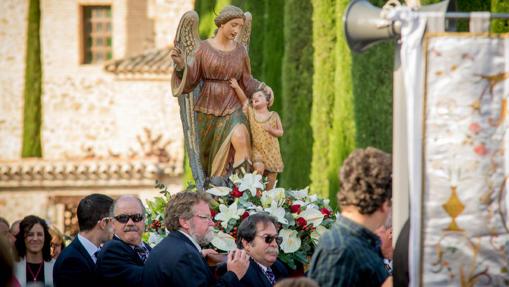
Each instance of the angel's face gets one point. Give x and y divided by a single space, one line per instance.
232 28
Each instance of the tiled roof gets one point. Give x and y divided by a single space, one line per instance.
151 62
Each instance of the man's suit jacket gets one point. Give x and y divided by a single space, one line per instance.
175 261
119 265
74 267
255 277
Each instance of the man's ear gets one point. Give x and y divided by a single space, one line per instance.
184 223
245 245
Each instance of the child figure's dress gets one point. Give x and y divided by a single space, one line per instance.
265 146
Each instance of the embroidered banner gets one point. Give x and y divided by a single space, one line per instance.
465 235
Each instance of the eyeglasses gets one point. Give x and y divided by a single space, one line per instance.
208 218
124 218
270 238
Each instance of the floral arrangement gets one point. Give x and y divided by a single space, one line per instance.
302 217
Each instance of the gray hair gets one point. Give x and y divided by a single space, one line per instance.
123 197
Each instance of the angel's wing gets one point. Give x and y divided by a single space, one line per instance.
245 34
188 40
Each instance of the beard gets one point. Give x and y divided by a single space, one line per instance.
202 240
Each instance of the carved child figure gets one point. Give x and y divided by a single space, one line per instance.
266 127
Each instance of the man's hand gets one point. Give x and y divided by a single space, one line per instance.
238 262
206 252
388 282
178 58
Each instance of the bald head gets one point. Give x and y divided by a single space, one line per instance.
128 214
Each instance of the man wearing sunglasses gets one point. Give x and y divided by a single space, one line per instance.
121 260
76 264
257 234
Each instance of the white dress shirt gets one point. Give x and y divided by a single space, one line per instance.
89 247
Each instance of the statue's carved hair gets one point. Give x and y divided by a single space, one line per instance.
366 180
228 13
268 96
181 205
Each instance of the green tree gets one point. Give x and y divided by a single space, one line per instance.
205 9
343 132
297 141
256 53
499 6
273 50
33 85
324 63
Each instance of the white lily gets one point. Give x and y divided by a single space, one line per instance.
219 190
251 182
277 212
312 216
228 212
223 241
300 194
154 239
313 198
317 233
235 178
326 202
291 241
276 194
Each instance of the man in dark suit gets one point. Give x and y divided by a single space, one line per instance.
76 264
257 235
178 259
121 260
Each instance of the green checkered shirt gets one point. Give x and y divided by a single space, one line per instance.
348 255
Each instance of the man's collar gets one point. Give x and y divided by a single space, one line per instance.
115 237
192 240
90 247
359 230
264 268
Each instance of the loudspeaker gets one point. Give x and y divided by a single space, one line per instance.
365 27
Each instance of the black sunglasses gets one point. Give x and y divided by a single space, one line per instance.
270 238
124 218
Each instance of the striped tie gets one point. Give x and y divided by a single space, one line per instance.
270 275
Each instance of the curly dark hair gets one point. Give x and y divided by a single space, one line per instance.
181 205
24 228
366 180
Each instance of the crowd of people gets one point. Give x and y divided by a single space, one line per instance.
109 251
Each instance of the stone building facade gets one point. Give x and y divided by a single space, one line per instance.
104 129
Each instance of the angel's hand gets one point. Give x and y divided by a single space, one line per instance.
177 57
234 84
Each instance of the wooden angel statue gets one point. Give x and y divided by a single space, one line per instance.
215 128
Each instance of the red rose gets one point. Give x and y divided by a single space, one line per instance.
156 224
295 208
301 222
236 192
326 212
244 215
212 213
